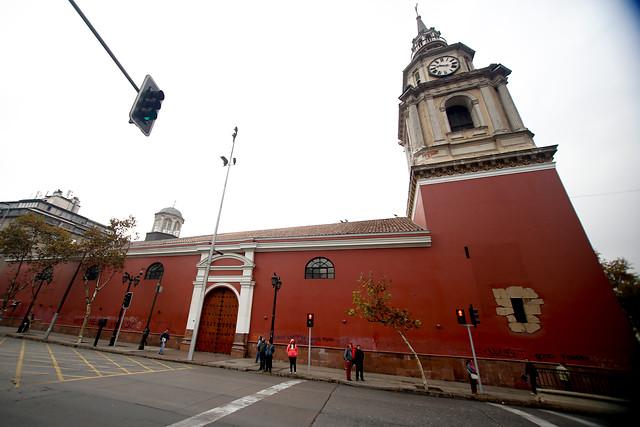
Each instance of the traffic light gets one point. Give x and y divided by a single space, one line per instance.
310 320
473 316
462 319
145 108
127 300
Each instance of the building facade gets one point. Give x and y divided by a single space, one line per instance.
488 224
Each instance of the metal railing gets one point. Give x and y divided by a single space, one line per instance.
615 384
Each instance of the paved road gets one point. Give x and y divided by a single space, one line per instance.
49 384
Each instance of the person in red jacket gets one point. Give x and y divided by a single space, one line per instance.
292 352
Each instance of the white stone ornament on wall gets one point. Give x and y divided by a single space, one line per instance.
531 303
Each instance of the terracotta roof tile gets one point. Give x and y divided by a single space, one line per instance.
375 226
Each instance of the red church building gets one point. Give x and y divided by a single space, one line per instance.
488 224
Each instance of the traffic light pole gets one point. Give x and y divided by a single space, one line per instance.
475 361
124 313
309 358
95 33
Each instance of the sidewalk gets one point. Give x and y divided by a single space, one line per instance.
549 399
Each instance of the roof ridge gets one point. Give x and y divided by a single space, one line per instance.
370 226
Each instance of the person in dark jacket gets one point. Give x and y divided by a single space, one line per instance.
263 355
258 348
473 377
348 357
269 353
531 372
163 340
358 360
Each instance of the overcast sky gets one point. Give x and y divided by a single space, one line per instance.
313 88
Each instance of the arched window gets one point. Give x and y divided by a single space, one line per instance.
459 118
167 225
92 273
155 271
461 112
319 268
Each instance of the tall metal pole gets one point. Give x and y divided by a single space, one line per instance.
273 316
144 338
475 361
207 270
64 298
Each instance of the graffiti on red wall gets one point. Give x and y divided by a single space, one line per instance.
509 353
128 323
575 357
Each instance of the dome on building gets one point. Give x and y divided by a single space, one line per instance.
167 224
171 211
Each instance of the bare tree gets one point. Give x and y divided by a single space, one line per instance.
373 304
32 246
105 255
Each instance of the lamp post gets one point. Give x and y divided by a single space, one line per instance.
276 283
145 333
125 278
45 275
205 279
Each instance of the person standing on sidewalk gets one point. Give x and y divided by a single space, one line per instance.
263 355
292 352
145 335
473 377
269 353
348 357
358 360
163 340
531 372
258 348
564 375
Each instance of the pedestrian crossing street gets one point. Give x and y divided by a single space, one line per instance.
26 363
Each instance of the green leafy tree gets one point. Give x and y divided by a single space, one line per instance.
626 286
32 246
107 253
372 303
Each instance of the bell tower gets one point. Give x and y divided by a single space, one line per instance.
505 236
455 119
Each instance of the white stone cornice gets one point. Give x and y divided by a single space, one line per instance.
423 240
488 173
286 244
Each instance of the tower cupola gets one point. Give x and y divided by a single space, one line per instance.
427 38
167 224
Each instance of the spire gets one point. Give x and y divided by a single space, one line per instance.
427 38
421 27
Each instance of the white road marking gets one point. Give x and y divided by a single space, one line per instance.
572 418
224 410
528 417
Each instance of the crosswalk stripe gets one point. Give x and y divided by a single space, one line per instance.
529 417
224 410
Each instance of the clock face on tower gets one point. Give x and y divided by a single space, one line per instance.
444 66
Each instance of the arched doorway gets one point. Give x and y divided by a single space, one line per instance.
218 321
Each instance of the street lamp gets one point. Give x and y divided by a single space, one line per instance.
145 333
131 279
276 283
196 322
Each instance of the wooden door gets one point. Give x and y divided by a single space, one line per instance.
218 321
